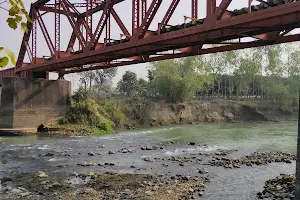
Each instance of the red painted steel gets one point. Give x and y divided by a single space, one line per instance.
135 15
195 9
57 29
268 23
169 13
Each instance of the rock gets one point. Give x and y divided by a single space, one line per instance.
82 175
100 164
73 174
56 185
149 193
200 194
149 148
132 166
91 153
42 174
147 159
125 150
16 191
169 191
127 191
186 178
191 190
192 143
92 175
49 154
5 179
24 194
102 146
288 161
228 116
111 152
181 164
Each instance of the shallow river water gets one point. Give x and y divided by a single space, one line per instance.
23 154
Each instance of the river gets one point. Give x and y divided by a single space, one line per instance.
24 154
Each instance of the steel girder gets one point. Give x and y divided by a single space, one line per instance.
144 45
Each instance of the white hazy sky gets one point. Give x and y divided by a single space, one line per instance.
12 38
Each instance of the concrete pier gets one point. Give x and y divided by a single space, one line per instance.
26 103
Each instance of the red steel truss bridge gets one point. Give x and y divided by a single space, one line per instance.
265 21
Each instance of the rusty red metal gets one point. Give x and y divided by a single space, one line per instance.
267 23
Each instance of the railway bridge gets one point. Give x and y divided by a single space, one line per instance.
27 94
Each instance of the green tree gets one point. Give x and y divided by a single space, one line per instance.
128 85
176 80
16 14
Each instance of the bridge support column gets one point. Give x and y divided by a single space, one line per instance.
298 158
26 103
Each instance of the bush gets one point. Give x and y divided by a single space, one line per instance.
113 111
88 113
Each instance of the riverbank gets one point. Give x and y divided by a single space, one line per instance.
89 117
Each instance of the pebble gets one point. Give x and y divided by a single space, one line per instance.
111 152
42 174
16 191
91 153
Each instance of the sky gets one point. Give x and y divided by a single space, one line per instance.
11 39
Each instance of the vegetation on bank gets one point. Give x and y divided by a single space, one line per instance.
264 79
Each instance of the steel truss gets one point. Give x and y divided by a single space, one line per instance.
266 23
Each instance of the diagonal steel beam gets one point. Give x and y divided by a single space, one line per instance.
222 8
147 20
169 13
119 22
45 33
73 37
101 24
72 21
25 40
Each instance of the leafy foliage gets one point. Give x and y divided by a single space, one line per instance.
88 113
16 13
176 80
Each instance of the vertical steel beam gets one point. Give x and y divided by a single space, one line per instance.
297 193
169 13
57 29
135 15
195 9
107 36
119 22
89 18
33 42
144 8
211 7
147 21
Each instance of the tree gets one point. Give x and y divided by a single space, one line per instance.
16 13
176 80
128 85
